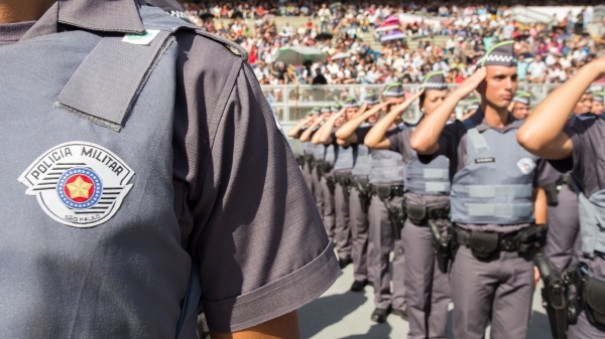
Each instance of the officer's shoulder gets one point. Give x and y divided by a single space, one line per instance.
217 41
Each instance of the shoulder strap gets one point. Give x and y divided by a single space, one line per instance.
109 80
477 140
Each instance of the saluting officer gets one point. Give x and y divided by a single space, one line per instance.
385 217
305 146
341 173
521 105
493 195
426 187
353 132
597 102
579 147
563 245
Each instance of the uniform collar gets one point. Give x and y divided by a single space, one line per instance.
479 122
121 16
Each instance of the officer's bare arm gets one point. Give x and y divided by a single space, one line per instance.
376 137
285 326
347 131
306 136
296 129
542 133
540 206
326 129
315 138
425 138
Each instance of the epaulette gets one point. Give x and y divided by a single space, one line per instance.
230 45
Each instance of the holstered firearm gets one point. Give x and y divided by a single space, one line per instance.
396 214
344 181
443 246
331 182
319 169
590 294
552 194
301 160
554 297
365 195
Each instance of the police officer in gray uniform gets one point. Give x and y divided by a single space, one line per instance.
578 147
521 105
427 207
492 202
353 132
128 205
325 157
306 155
597 105
317 157
385 217
340 176
563 245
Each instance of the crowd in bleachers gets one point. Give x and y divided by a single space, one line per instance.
349 34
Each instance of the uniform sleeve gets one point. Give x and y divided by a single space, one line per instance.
449 140
396 141
258 239
361 133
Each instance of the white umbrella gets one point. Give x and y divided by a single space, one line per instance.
341 55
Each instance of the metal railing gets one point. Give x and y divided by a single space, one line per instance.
291 103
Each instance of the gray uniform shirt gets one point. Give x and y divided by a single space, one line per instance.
246 221
586 133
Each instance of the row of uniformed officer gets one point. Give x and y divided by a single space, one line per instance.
426 188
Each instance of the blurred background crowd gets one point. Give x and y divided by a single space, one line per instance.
308 42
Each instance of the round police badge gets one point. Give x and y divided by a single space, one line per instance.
79 184
526 165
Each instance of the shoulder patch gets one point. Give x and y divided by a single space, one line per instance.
78 184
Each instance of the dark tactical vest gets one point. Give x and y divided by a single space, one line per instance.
496 184
387 168
88 216
427 179
363 162
345 159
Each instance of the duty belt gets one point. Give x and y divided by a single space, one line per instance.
386 191
343 178
485 244
418 214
